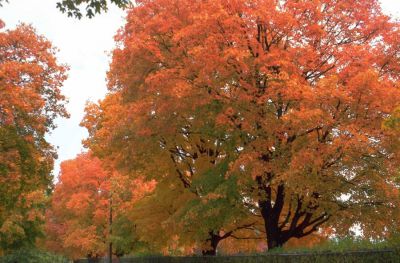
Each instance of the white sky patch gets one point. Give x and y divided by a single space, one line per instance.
391 7
83 45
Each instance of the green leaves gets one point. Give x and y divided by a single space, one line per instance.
393 122
30 255
73 8
211 179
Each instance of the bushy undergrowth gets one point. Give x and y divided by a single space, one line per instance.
341 245
31 255
339 250
332 257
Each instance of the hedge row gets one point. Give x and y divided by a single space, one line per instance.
367 256
33 256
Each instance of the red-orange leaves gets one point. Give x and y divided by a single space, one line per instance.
30 100
31 78
78 219
287 97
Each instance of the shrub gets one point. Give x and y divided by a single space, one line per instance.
30 255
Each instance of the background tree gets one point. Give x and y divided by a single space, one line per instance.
78 218
77 222
302 89
30 100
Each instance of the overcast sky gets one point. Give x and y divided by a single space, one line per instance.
84 45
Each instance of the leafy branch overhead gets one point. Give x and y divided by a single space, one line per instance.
89 8
75 8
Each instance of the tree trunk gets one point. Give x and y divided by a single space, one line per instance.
92 259
271 213
209 252
273 233
274 240
212 245
301 218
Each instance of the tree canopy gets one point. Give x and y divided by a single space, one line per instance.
77 221
275 105
229 125
30 100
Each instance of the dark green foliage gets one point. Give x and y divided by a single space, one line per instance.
339 250
73 8
393 122
386 256
216 205
346 245
93 7
32 256
35 174
124 238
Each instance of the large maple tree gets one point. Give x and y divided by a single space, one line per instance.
30 100
284 98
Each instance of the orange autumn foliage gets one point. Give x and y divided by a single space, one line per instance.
30 100
77 222
283 100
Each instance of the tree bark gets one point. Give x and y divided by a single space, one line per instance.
274 239
212 244
209 252
273 233
300 219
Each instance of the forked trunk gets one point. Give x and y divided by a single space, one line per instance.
286 218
